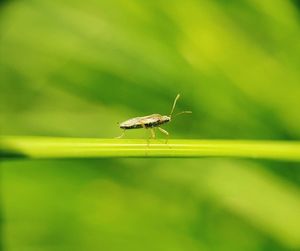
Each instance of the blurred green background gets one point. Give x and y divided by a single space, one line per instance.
76 68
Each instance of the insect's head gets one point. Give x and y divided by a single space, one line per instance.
165 118
173 107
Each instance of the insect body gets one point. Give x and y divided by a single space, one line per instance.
151 121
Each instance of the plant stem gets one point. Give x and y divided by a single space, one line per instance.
54 147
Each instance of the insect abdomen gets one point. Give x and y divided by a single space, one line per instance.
130 126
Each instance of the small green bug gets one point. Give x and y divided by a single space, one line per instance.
150 121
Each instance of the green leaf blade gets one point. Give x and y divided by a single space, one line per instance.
53 147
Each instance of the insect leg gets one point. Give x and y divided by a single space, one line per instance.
144 126
121 135
152 133
164 132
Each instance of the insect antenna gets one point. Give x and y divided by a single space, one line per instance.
184 112
173 107
174 104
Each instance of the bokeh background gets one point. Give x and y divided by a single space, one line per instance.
75 68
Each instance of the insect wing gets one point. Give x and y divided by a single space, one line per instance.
151 119
131 122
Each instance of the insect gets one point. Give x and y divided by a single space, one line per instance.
151 121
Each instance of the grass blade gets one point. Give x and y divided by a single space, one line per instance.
54 147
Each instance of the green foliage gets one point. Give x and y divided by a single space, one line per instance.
76 68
